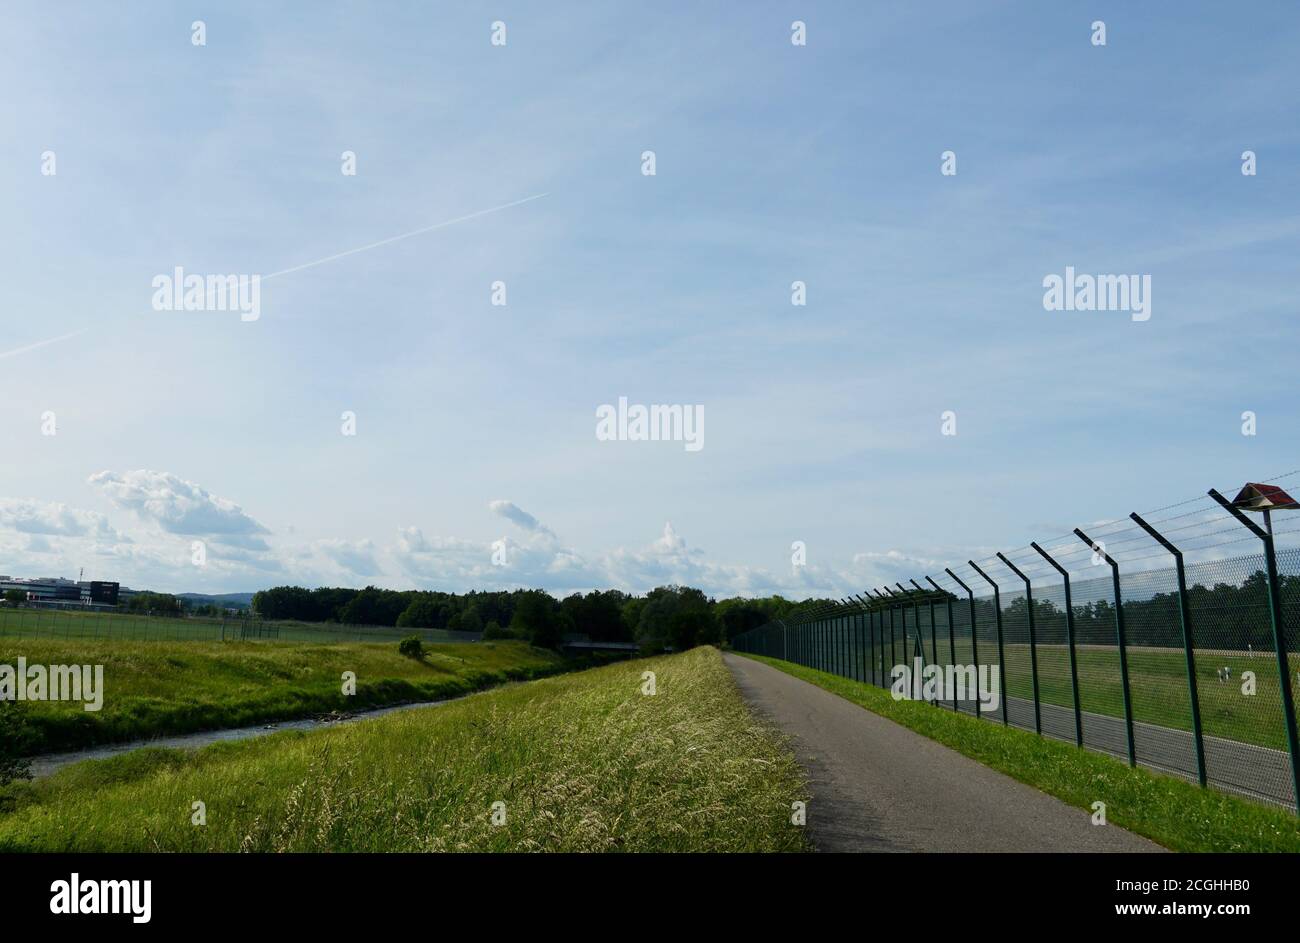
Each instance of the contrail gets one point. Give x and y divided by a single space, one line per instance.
328 258
52 340
406 235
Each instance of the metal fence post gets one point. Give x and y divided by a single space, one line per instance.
869 652
974 647
894 612
889 608
1279 636
834 626
934 648
859 663
861 629
1069 639
840 626
845 624
871 627
919 646
997 613
952 638
902 618
880 640
1033 643
934 632
846 635
1122 641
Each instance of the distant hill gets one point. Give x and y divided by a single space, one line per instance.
224 600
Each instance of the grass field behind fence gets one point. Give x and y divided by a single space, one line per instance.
1157 687
1157 682
154 688
581 762
28 622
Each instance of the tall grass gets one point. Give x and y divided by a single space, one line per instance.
153 688
582 762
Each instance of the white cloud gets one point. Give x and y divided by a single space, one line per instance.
520 518
50 537
54 519
178 506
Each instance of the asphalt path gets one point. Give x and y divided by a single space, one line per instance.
877 786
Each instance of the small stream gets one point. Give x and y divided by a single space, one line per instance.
47 763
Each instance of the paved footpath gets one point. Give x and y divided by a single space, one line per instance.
877 786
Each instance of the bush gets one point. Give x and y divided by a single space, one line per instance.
411 647
493 630
14 736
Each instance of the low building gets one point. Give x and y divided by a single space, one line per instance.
57 592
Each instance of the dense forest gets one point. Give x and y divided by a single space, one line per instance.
676 617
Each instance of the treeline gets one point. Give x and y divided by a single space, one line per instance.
676 617
155 604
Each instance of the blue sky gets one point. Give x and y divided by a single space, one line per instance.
775 163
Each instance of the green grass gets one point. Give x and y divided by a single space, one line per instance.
28 622
1172 812
155 688
582 761
1157 685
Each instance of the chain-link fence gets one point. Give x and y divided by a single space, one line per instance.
1188 669
35 622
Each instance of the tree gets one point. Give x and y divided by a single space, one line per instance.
692 626
599 616
424 612
15 597
538 618
155 604
740 615
374 606
674 616
470 621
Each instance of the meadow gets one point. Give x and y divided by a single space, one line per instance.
585 761
158 687
29 622
1158 688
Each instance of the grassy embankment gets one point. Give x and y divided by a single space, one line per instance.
1170 811
582 762
153 688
